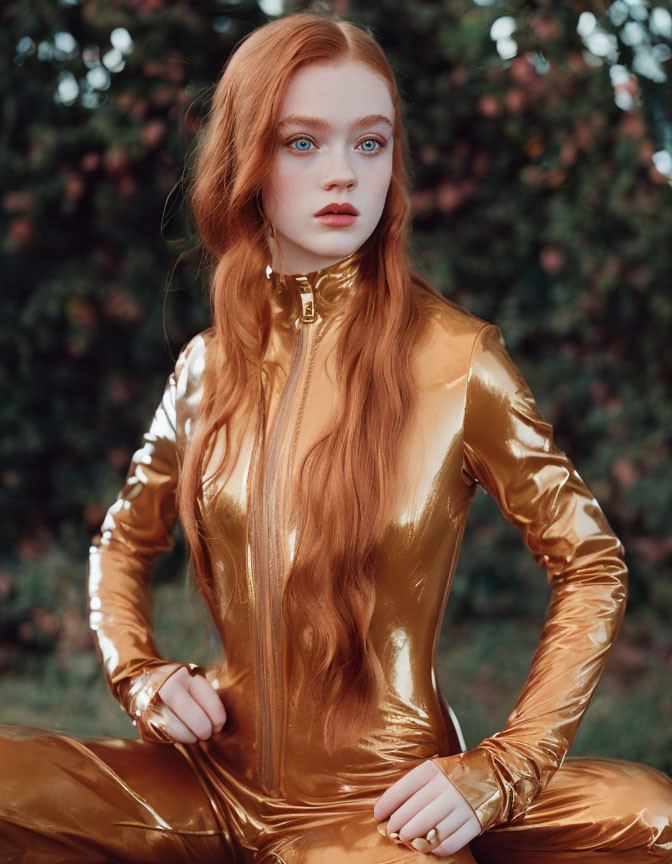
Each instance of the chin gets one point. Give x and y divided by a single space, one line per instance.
335 246
341 245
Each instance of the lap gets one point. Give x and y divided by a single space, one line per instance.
354 839
101 800
593 811
592 808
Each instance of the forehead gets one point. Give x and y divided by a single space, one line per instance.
337 92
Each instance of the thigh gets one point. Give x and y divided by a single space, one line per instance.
353 839
64 799
594 809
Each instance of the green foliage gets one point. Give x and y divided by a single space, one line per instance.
537 207
98 257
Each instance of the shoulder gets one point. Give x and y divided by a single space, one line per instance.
454 320
188 381
190 363
191 358
451 331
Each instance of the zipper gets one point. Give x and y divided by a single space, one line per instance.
265 540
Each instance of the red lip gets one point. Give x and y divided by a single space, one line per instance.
338 208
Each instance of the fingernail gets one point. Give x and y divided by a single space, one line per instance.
382 828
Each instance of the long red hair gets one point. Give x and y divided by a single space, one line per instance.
348 480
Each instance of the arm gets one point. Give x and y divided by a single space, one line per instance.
509 450
136 529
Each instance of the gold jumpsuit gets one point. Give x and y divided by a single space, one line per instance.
264 789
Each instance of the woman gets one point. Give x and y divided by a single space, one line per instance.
321 443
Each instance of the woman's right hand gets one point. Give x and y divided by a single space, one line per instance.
191 709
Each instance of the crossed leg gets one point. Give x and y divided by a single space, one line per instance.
108 800
64 799
593 811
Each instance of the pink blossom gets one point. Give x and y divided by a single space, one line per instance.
488 106
552 259
20 230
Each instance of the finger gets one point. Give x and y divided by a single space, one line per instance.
458 840
176 681
189 712
440 813
175 728
175 695
208 698
445 830
414 805
406 786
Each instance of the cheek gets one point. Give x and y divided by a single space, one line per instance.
276 180
288 175
271 194
381 185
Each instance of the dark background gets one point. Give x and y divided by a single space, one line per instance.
543 202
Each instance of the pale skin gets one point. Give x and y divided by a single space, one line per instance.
332 159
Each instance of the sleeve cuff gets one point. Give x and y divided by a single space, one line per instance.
474 777
144 704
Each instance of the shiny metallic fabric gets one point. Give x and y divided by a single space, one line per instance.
264 789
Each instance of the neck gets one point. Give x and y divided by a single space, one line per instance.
318 293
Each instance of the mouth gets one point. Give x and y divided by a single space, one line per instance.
338 209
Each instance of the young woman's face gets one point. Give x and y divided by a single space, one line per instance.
339 151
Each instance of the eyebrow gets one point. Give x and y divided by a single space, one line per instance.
324 125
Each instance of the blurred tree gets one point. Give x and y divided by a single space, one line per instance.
537 201
92 151
101 273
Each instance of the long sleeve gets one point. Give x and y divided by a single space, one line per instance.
509 450
136 529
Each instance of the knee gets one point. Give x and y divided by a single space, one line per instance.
640 797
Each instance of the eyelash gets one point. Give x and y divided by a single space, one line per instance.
307 138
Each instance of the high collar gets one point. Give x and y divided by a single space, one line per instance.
327 289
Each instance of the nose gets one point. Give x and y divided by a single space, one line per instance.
339 172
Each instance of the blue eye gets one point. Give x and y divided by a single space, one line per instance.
305 140
300 141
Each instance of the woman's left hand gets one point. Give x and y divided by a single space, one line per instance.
423 799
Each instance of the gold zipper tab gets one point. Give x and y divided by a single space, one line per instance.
308 313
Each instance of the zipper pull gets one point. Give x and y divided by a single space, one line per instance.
308 313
